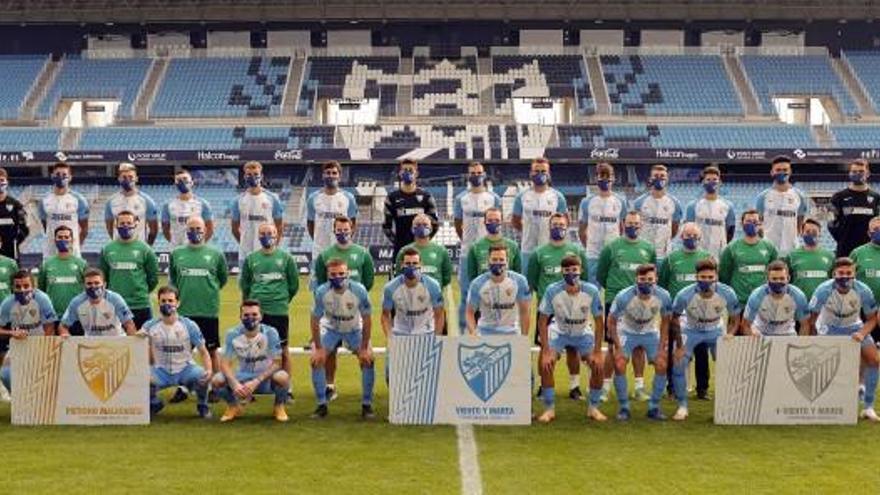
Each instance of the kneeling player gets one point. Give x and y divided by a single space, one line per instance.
773 307
24 313
172 339
837 308
639 318
563 323
342 314
257 348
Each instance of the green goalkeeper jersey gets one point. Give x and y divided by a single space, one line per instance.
809 268
867 258
435 262
545 265
743 266
198 272
355 256
679 269
271 278
62 280
132 271
8 267
618 262
478 256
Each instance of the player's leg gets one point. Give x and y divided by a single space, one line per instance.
870 362
463 284
4 348
330 368
548 383
192 378
210 328
701 365
279 385
628 343
574 373
657 357
639 363
159 379
282 324
224 391
368 375
584 346
608 366
6 376
690 340
329 340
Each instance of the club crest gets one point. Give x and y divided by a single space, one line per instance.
484 368
103 368
812 368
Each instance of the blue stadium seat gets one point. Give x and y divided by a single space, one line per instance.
117 79
19 75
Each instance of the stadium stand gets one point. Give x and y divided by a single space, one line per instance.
350 77
29 139
445 86
206 138
556 76
866 67
19 75
856 136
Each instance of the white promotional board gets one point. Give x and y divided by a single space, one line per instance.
460 380
80 381
787 381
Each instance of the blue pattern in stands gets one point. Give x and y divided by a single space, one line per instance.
566 77
325 77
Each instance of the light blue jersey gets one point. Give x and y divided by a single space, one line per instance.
698 313
176 212
251 211
254 354
343 311
172 345
535 209
840 313
779 213
322 209
602 216
497 302
635 315
470 209
413 306
658 216
713 217
30 317
68 209
139 203
102 319
572 314
775 315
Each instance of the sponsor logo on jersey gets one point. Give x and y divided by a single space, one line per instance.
712 222
124 265
269 277
410 212
171 349
419 312
812 274
503 306
256 218
751 268
61 217
195 272
103 367
784 213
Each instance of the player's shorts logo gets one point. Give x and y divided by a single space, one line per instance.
812 368
103 367
484 367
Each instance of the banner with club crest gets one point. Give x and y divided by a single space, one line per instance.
460 380
787 380
80 381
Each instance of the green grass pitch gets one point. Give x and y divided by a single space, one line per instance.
179 453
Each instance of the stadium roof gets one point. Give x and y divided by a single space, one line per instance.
134 11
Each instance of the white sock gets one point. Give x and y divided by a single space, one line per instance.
573 381
606 384
331 386
640 382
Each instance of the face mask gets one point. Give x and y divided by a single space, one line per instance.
194 236
776 287
843 282
781 178
250 323
476 180
689 243
126 184
125 232
659 184
857 178
631 232
95 292
571 278
267 241
408 177
645 288
183 186
493 228
331 182
540 178
252 180
497 269
62 246
60 180
875 236
710 187
704 286
558 233
603 184
4 186
337 282
167 309
23 297
343 237
750 229
421 231
810 240
411 272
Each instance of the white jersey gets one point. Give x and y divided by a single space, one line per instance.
470 209
254 354
322 209
176 212
138 203
497 302
635 315
31 317
251 211
775 315
413 306
780 211
658 215
173 344
65 209
104 319
571 314
535 209
602 216
840 313
704 314
344 311
713 217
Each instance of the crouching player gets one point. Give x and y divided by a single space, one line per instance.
501 297
564 322
639 318
837 308
24 313
257 348
773 307
342 314
172 339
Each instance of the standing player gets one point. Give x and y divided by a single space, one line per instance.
782 207
131 267
867 259
64 206
434 258
502 298
13 220
323 207
132 199
178 210
469 212
531 210
699 309
342 314
257 349
661 213
601 216
254 207
853 208
402 206
809 265
713 214
172 340
639 318
844 306
744 261
61 276
98 311
25 312
564 323
478 254
774 307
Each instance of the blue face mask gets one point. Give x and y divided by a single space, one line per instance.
126 184
497 269
476 180
167 309
23 297
194 236
750 229
267 241
250 323
704 286
407 177
540 178
631 232
857 178
558 233
4 186
710 187
338 282
94 293
689 243
875 236
411 272
645 288
780 178
571 278
331 182
253 180
62 246
183 186
603 184
843 282
125 232
776 287
810 240
343 237
60 180
421 231
658 184
493 228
